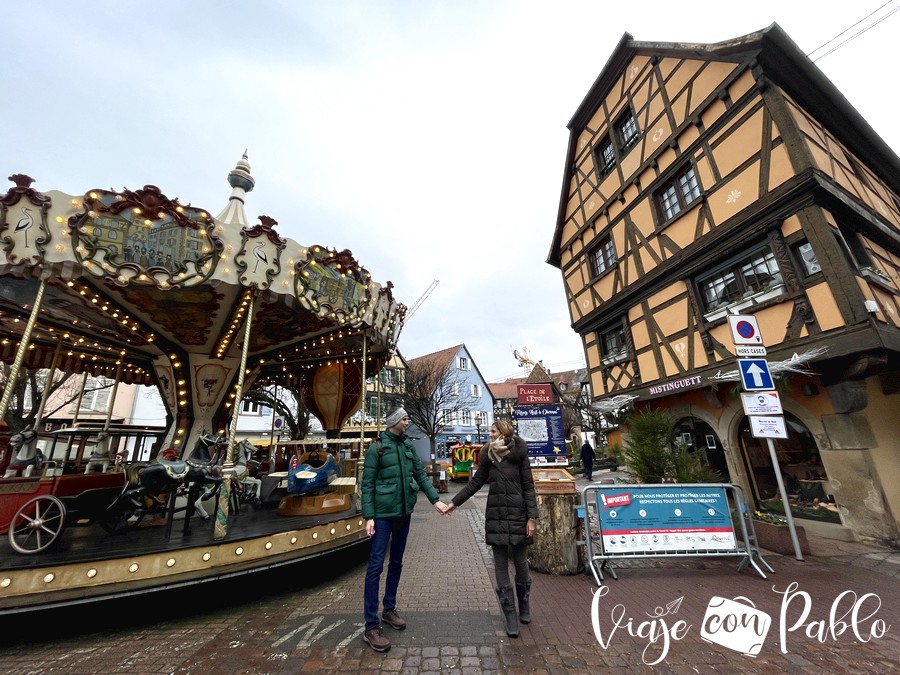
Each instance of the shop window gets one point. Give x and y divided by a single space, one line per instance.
679 193
800 463
603 256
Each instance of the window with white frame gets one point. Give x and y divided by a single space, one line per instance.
97 391
250 407
465 418
602 256
627 131
612 344
447 416
463 363
746 275
678 193
475 390
605 157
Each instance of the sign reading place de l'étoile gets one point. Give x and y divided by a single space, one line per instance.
534 394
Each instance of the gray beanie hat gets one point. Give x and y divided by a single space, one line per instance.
394 417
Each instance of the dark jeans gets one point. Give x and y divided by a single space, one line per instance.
501 564
391 532
588 469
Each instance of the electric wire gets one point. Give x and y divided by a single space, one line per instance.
855 35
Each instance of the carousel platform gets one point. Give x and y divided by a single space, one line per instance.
87 563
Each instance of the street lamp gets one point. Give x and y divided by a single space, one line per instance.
478 429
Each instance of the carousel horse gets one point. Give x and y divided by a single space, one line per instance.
147 486
28 458
312 472
250 487
99 458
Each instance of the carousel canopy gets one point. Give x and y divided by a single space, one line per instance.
139 282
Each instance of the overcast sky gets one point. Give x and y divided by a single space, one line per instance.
427 137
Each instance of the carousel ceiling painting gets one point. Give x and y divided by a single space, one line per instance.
134 283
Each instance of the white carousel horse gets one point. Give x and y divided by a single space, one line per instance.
252 487
99 458
28 458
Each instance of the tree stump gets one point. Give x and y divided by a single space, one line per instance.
554 550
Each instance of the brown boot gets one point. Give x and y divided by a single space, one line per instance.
375 638
392 619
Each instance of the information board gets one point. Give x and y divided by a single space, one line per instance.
680 518
541 426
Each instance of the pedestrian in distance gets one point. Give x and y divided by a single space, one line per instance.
587 459
392 477
510 516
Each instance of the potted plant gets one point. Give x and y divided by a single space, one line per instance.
773 533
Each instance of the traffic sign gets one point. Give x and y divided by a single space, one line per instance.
767 427
762 403
749 350
744 329
755 375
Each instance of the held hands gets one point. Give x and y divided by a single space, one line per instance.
444 509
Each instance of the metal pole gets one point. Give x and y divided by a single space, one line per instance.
222 510
784 500
23 348
49 383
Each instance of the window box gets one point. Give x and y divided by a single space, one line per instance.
618 357
876 276
745 303
777 538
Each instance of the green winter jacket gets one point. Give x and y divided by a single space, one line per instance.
391 490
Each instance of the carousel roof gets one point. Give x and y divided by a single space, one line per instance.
134 277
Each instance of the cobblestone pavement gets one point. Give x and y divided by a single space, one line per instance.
653 614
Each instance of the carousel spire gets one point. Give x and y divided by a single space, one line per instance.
242 182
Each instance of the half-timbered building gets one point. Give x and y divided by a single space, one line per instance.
703 180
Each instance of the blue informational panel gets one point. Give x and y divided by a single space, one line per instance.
660 519
542 428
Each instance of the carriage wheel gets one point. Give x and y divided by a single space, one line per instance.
37 524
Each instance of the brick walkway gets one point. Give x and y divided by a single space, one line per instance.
447 597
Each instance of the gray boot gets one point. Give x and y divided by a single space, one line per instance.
523 591
508 605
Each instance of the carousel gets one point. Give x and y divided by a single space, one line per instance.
141 288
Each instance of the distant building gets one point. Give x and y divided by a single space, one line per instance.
470 398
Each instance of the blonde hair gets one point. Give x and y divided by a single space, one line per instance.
505 428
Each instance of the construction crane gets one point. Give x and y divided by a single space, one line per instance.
524 358
418 303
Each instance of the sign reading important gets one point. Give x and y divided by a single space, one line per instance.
542 428
641 520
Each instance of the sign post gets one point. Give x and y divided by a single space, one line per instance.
765 421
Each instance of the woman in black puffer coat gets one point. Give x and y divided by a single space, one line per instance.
510 515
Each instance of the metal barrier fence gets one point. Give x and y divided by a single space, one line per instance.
652 520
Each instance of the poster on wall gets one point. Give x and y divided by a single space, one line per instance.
677 518
542 428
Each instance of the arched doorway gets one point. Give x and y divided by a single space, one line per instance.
801 468
700 438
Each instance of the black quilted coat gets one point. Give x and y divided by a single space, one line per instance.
511 501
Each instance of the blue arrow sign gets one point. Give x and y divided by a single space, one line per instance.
755 375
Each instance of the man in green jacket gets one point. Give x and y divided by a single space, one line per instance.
392 476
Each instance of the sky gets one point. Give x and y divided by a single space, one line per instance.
428 137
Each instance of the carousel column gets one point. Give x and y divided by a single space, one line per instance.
221 528
23 348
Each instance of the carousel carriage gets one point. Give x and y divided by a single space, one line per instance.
222 306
